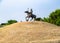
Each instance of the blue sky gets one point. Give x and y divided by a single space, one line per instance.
14 9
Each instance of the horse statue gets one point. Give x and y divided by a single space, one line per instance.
30 15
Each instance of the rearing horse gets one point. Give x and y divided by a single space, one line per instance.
30 15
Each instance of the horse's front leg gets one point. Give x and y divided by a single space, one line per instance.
27 18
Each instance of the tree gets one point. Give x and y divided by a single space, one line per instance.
54 17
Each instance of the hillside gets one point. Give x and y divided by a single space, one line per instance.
30 32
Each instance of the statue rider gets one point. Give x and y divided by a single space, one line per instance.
31 12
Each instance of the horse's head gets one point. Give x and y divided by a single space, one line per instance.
26 12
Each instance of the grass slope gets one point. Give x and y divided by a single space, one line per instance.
30 32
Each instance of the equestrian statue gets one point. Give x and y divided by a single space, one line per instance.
30 15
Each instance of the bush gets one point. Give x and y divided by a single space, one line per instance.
8 23
38 19
12 21
46 19
3 23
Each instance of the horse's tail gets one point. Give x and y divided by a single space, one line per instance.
34 17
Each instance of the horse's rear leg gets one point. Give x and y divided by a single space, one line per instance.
31 19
